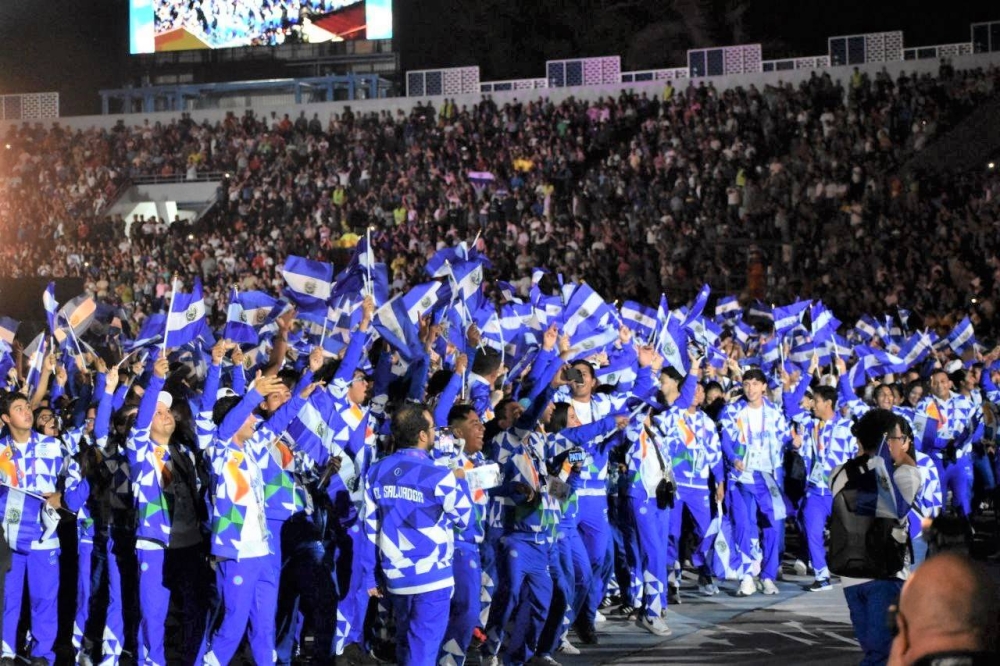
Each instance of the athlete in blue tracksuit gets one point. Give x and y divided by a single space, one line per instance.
412 509
593 493
648 465
120 563
754 434
951 449
827 443
248 580
691 442
37 464
466 603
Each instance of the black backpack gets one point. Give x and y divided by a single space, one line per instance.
862 546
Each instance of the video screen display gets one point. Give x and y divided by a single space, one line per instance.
184 25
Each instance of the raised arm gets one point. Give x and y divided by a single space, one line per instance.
234 420
147 406
355 351
450 393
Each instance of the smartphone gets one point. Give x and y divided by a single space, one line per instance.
446 447
573 375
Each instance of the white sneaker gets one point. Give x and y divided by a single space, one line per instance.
567 648
599 617
708 589
545 660
654 625
800 568
769 587
747 587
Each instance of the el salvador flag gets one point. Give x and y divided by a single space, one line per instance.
186 319
583 306
437 265
639 318
245 313
700 301
770 353
8 329
866 327
468 276
914 351
354 279
619 372
743 332
309 285
890 502
27 518
36 352
703 331
393 323
150 333
51 306
873 362
728 308
802 353
424 297
788 317
591 340
716 357
962 336
672 345
508 292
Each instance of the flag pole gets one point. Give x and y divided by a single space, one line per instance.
371 257
322 337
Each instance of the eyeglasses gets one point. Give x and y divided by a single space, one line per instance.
898 438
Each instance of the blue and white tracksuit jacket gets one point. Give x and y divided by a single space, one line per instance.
647 526
954 418
412 508
825 446
691 440
757 490
38 466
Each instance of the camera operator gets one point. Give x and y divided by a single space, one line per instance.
869 536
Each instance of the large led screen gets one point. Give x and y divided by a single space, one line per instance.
182 25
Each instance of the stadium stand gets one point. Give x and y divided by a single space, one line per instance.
773 192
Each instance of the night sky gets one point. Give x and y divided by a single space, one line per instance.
79 46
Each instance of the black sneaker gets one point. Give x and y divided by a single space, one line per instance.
355 655
821 585
586 633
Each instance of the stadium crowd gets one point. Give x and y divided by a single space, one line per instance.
773 193
382 449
